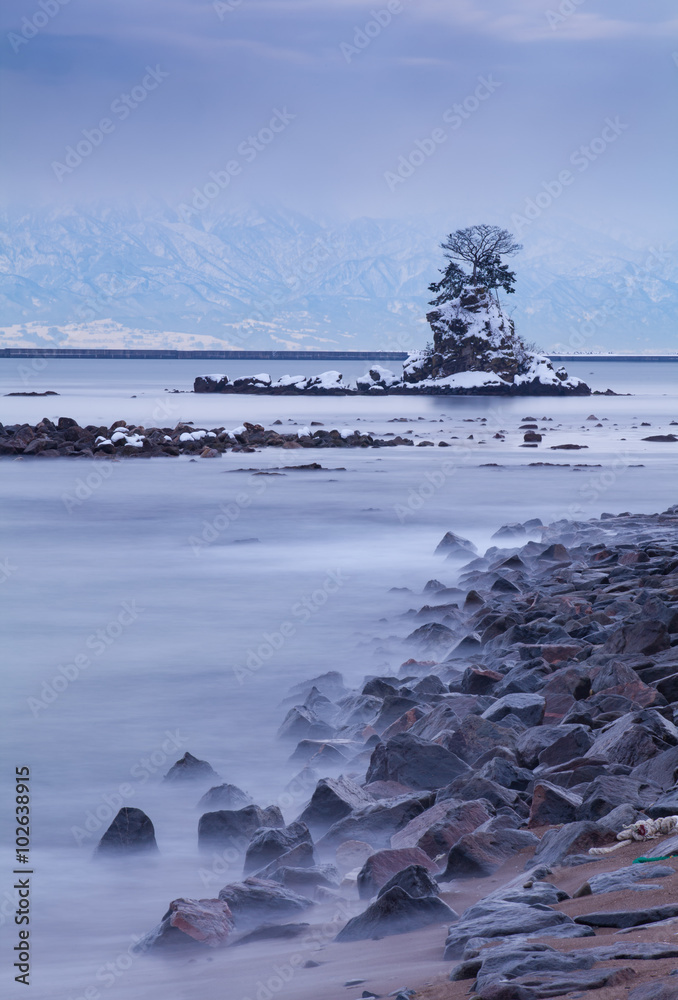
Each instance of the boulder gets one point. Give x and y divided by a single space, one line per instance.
538 739
235 827
608 791
497 918
269 844
414 762
485 850
255 901
475 736
306 880
301 856
224 797
302 723
455 547
572 838
552 805
630 878
375 824
647 636
396 912
333 799
382 866
415 880
436 829
529 708
189 768
193 922
131 832
628 918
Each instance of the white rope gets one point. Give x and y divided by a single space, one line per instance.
644 829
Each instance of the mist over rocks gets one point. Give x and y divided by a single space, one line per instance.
544 737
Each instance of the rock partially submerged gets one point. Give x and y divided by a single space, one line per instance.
131 832
191 922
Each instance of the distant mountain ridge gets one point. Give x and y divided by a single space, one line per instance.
123 277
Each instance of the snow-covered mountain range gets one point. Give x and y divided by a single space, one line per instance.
262 278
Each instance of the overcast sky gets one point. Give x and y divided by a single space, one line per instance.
534 82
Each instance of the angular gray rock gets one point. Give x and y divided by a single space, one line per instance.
485 850
333 799
233 828
224 797
415 880
573 838
414 762
190 768
628 918
270 844
500 919
255 901
396 912
131 832
376 824
529 708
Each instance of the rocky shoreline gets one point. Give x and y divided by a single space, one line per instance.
542 380
534 719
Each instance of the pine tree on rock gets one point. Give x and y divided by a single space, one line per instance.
471 331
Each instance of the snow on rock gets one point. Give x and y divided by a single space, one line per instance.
475 350
377 378
194 436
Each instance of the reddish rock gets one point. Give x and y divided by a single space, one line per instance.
552 805
404 722
438 828
189 921
383 865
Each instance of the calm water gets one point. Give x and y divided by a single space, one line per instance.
143 568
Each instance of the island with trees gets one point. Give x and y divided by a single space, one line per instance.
475 348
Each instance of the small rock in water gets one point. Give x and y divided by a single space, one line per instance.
131 832
190 768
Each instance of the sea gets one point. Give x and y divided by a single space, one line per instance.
154 607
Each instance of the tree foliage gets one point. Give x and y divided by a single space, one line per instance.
481 249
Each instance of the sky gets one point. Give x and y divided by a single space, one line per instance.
342 106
